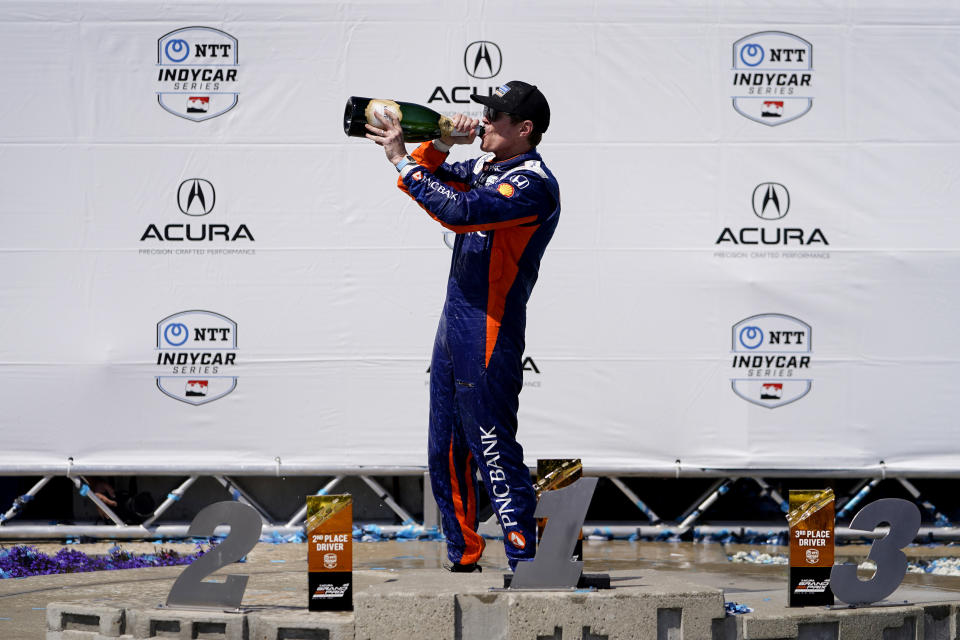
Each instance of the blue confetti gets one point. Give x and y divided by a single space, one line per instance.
733 609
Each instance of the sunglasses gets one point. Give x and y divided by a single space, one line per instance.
491 114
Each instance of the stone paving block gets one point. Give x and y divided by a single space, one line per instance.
820 623
726 628
423 616
186 624
80 635
610 615
481 616
85 618
818 630
301 625
937 622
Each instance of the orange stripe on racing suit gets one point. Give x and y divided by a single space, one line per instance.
508 246
472 540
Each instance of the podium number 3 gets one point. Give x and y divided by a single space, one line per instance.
245 526
904 520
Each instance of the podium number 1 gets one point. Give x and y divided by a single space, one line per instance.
554 565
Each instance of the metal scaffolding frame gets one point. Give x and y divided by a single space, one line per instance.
649 525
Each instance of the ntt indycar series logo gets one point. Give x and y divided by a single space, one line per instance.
772 76
771 359
196 353
197 72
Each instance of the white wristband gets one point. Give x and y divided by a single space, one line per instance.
404 162
441 146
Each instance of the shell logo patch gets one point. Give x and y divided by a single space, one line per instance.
506 190
517 539
418 176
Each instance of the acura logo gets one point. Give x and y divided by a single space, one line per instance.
196 197
482 59
771 200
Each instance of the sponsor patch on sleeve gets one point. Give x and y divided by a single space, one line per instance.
506 189
417 175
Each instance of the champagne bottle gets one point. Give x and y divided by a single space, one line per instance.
419 123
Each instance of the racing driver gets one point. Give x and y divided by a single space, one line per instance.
503 208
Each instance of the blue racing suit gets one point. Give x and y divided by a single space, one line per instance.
504 214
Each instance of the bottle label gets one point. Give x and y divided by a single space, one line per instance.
379 107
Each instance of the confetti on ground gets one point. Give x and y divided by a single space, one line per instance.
22 560
757 557
733 609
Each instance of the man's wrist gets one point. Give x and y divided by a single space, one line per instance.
441 146
403 162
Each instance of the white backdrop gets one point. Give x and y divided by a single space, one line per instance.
328 299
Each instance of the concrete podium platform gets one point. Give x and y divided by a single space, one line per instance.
661 592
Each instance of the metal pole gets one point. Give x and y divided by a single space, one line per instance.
83 488
718 489
940 519
125 532
173 496
300 516
647 511
855 500
169 532
206 469
24 499
405 517
270 468
767 490
431 512
240 495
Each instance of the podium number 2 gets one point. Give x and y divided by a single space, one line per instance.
245 526
904 520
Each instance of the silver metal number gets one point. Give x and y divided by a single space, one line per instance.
245 526
554 565
904 519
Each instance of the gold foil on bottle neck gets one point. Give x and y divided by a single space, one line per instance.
379 106
819 500
446 127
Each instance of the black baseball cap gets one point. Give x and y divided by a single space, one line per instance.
520 99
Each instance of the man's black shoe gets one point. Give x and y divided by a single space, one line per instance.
464 568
